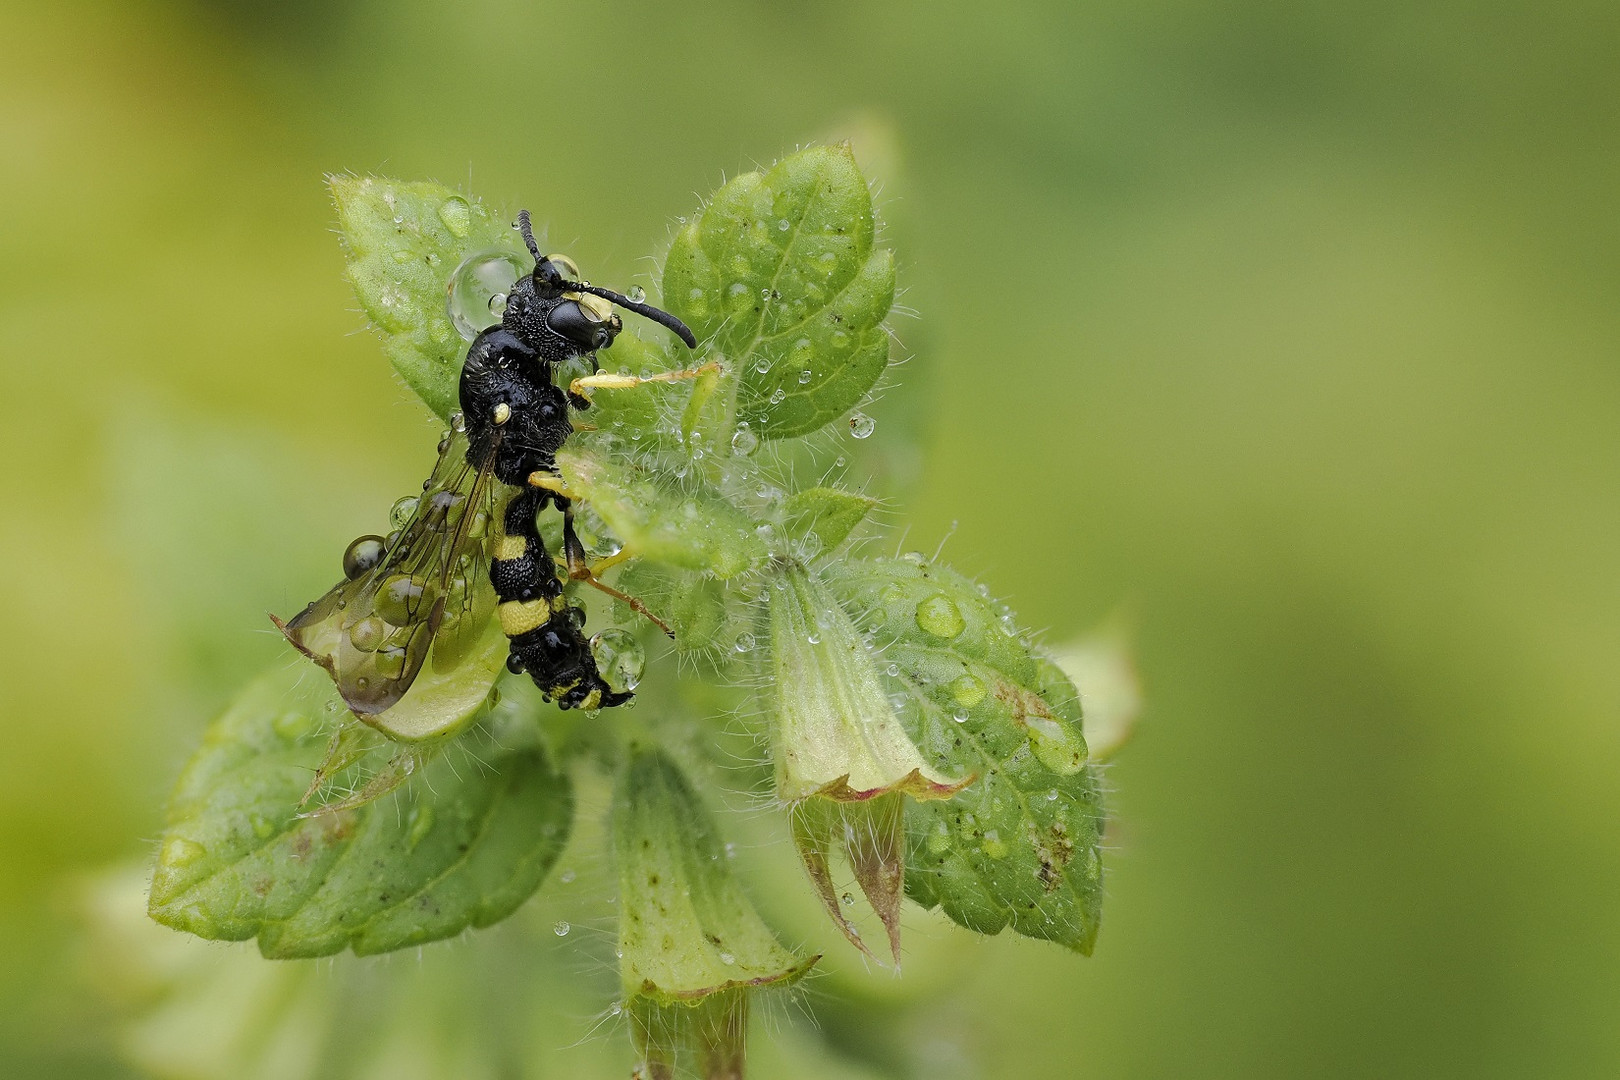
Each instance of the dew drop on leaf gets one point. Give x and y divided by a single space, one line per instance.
968 690
938 615
860 425
561 929
744 441
456 215
474 285
636 294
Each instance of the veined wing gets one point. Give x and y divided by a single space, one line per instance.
428 595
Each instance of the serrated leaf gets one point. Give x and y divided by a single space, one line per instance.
780 273
404 240
237 862
693 529
1019 847
826 513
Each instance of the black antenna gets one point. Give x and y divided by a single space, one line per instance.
528 235
646 311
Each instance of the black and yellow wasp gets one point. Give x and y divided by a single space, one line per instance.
471 542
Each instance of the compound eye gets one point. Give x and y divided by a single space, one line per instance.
571 321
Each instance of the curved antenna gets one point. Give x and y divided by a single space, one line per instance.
528 236
646 311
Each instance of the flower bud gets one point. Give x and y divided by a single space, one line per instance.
843 758
691 946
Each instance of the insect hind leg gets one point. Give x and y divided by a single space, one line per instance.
579 569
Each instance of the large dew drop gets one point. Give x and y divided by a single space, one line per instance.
363 553
938 615
860 425
470 299
620 658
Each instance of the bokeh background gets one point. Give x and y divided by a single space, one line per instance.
1284 335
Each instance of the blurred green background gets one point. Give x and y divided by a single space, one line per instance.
1285 333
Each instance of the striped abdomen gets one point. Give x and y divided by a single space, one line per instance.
548 639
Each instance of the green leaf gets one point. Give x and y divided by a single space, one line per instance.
826 513
237 862
780 273
693 528
686 931
404 241
1020 846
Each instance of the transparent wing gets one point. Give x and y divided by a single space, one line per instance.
429 595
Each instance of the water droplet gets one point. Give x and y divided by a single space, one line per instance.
743 440
619 657
861 425
636 294
367 634
968 690
474 285
178 851
893 670
1051 796
561 929
401 597
566 877
1054 747
784 224
938 615
400 513
745 642
778 396
848 899
804 376
960 716
813 638
458 424
457 216
839 464
763 366
421 824
362 554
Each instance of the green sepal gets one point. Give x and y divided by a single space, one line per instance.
1021 846
826 513
691 528
779 273
237 861
686 931
403 241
